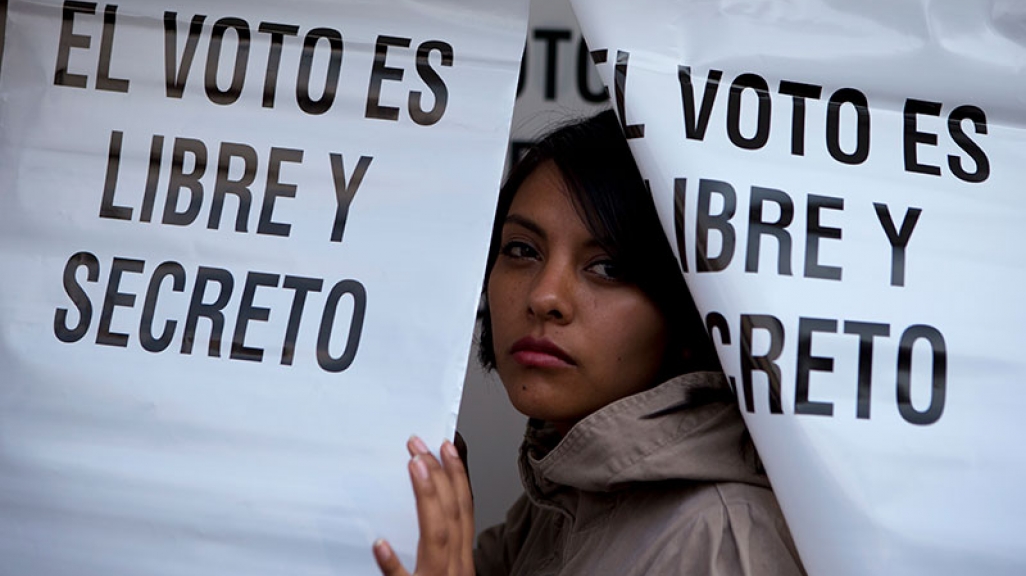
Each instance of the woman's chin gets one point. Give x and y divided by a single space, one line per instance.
535 402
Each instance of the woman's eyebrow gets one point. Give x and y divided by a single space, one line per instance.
525 222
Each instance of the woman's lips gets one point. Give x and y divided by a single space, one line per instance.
540 353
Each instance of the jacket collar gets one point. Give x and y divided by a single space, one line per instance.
688 428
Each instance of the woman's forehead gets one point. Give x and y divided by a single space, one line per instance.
543 196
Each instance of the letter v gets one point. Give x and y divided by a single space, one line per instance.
694 128
175 73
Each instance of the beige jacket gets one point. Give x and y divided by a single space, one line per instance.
662 482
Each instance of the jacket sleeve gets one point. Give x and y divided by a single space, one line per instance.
747 538
498 547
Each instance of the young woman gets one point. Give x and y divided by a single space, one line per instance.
636 459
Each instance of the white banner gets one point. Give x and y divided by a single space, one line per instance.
558 80
844 185
242 246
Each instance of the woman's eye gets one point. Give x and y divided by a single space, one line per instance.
607 269
518 250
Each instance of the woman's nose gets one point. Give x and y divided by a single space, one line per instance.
551 296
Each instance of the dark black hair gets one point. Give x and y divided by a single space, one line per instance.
616 206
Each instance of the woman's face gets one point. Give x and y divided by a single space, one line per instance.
569 335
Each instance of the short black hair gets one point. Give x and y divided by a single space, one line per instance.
616 206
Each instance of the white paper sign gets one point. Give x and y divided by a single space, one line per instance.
844 185
558 81
242 245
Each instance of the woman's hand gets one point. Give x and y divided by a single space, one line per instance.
445 512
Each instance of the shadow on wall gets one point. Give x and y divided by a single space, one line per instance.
492 429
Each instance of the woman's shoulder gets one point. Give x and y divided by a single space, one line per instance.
683 501
736 527
724 497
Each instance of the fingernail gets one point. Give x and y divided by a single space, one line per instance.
419 446
419 468
382 549
450 450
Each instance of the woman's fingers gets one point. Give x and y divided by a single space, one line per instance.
444 513
447 495
388 562
448 491
416 446
436 530
457 475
